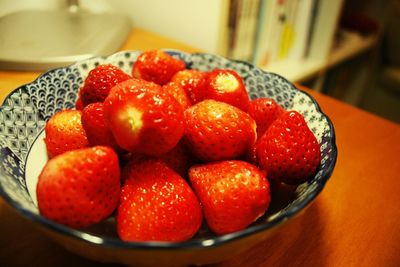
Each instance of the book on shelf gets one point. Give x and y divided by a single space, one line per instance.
284 30
267 29
311 27
250 33
278 31
291 37
232 26
303 25
242 28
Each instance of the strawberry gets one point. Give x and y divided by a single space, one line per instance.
156 66
251 155
264 111
193 82
156 204
79 188
233 194
177 91
227 86
143 118
97 131
289 150
178 159
64 132
99 81
218 131
79 104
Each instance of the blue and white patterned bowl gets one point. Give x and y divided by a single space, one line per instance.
22 155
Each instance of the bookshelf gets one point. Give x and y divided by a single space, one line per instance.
337 33
305 43
303 69
353 45
300 35
294 38
312 25
297 70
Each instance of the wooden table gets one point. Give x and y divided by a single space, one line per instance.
353 222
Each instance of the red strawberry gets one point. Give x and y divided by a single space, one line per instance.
193 82
178 159
157 204
264 111
218 131
251 155
288 150
227 86
79 188
78 104
156 66
97 131
177 91
233 194
143 118
99 81
64 132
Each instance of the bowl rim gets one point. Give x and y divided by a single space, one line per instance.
194 243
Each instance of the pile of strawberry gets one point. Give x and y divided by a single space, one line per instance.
167 147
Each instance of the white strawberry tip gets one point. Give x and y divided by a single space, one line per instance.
133 119
226 82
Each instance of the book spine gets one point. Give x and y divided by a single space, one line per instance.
232 26
288 30
302 23
261 31
244 31
243 22
266 43
251 36
278 30
311 28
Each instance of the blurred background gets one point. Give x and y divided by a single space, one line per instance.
348 49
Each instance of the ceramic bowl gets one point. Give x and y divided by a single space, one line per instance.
22 155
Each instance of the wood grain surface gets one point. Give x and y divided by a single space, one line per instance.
353 222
